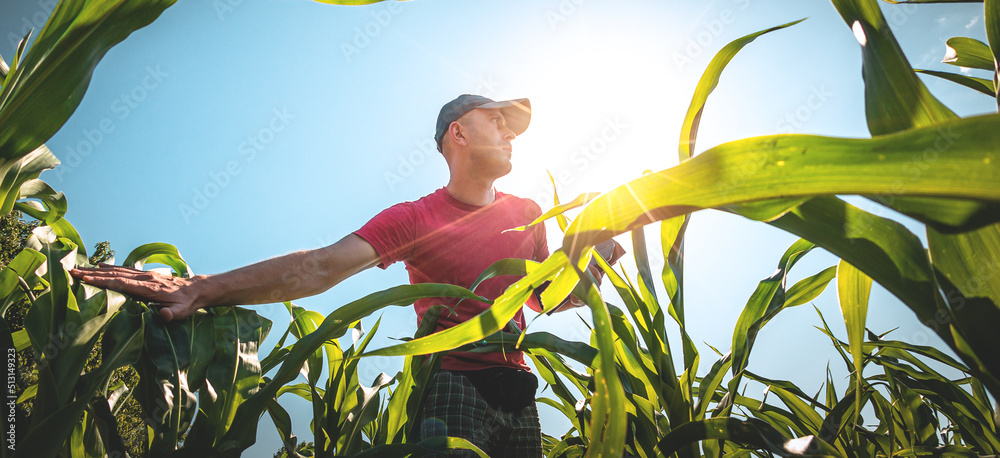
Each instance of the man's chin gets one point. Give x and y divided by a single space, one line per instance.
508 168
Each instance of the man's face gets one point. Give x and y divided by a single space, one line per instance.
489 141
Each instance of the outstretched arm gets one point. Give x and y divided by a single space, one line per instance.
285 278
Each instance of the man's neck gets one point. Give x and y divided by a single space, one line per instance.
478 194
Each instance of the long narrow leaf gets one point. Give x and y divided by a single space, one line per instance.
854 288
709 80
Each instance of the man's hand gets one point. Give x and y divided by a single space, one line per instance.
610 250
176 296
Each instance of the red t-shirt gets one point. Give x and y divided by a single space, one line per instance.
443 240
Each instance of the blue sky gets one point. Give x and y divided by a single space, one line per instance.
240 131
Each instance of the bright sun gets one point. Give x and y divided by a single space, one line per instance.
601 115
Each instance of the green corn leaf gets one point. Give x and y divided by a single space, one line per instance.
561 218
105 434
49 432
982 85
510 266
854 288
801 409
650 321
161 253
970 262
433 444
752 432
558 210
15 172
301 390
558 289
886 414
928 352
364 413
913 410
67 233
672 241
789 387
780 419
55 323
548 371
809 288
831 390
489 321
769 296
533 341
892 103
232 376
896 85
48 84
406 401
992 20
673 229
163 391
242 432
608 423
304 322
947 450
6 70
635 372
709 80
709 384
836 429
283 423
800 165
21 268
646 287
838 345
203 345
968 52
948 397
968 269
54 203
656 196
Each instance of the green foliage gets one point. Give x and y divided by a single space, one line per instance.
202 389
14 231
128 415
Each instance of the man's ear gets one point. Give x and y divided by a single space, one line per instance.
455 131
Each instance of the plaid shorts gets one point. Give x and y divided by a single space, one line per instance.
454 408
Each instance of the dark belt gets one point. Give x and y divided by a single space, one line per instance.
504 388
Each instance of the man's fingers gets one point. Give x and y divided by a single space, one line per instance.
113 268
128 286
166 313
175 312
110 273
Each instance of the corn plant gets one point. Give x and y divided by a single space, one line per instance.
204 391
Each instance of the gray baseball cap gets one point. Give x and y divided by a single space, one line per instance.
516 112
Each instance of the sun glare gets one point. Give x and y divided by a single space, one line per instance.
601 115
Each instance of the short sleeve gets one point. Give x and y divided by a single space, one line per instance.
391 233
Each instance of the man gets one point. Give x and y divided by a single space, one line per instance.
449 236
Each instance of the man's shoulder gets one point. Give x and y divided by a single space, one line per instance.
427 200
